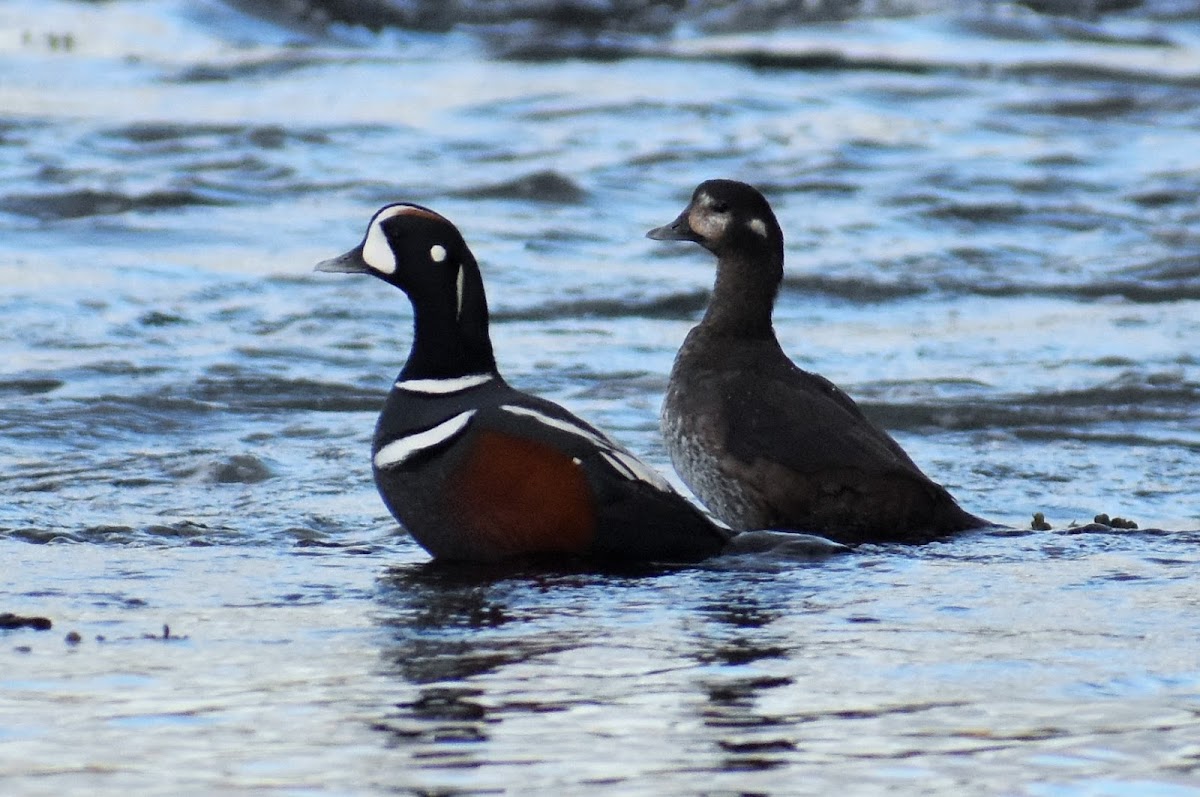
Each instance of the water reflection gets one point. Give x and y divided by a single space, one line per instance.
467 641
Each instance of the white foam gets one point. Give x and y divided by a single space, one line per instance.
398 451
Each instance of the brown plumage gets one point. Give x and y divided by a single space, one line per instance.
763 443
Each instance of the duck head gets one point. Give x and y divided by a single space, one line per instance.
424 255
415 249
725 216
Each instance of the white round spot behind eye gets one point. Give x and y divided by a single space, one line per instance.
437 253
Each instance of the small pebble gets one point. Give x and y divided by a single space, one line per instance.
10 620
74 638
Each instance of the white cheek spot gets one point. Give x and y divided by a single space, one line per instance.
759 226
437 253
396 452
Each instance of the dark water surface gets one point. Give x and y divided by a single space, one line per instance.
993 223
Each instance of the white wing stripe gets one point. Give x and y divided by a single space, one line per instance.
398 451
641 470
629 466
561 425
617 465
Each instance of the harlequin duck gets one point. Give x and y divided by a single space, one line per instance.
479 471
761 442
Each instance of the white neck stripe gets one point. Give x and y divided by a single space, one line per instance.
398 451
443 387
458 287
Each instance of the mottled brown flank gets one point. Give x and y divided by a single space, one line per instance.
525 497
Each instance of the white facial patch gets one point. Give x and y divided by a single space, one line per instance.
443 387
377 252
437 253
398 451
759 226
707 222
623 462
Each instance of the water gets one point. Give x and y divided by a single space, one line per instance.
992 243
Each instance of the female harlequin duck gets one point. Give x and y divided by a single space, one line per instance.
479 471
761 442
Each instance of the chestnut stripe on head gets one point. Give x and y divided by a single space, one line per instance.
377 252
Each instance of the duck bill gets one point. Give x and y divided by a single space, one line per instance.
678 230
350 263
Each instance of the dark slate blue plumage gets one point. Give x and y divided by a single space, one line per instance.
479 471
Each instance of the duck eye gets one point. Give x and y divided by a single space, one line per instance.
720 207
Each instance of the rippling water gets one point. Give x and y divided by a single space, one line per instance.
993 242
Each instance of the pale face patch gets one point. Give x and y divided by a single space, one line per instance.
437 253
759 226
706 220
443 387
398 451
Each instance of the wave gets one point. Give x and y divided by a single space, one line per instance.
1088 43
541 186
1171 279
672 306
1025 20
1061 414
82 203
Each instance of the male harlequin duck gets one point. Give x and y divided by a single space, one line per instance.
761 442
479 471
